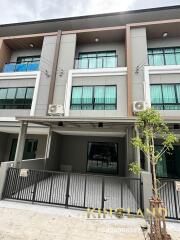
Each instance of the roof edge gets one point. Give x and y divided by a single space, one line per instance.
91 16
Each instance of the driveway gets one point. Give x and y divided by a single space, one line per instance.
25 221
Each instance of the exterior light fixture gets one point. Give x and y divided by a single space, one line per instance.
100 125
96 40
60 124
31 45
165 34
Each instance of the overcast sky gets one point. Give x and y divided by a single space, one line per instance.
31 10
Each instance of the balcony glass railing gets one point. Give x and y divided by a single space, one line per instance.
96 62
21 67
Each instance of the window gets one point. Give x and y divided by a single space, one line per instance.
102 157
93 97
165 96
26 59
16 98
164 56
169 166
97 60
30 149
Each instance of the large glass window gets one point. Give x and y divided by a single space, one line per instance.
93 97
105 59
16 98
165 96
30 149
169 166
102 157
164 56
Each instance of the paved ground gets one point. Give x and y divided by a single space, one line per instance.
21 221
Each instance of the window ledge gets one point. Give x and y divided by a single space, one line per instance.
99 72
18 75
163 69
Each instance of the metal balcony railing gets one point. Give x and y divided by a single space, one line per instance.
96 62
21 67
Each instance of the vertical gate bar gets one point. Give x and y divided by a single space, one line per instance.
85 192
175 199
102 203
50 192
35 187
67 190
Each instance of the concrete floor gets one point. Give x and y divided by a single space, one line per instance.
21 221
25 221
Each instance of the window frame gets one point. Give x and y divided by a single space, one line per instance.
164 104
14 104
20 58
164 54
96 57
93 98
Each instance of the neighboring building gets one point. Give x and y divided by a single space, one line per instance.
100 69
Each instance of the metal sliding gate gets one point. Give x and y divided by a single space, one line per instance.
171 197
74 189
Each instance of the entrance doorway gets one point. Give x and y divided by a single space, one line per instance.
102 157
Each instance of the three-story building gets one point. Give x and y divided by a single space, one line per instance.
70 90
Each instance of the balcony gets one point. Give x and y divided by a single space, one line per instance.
21 67
96 62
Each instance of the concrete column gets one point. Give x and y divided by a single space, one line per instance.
48 145
136 149
20 145
129 150
146 179
65 63
139 58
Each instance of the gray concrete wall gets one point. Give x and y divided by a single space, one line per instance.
138 57
72 151
46 63
130 151
146 179
119 81
65 63
53 162
37 164
119 47
24 53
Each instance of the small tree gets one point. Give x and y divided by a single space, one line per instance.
151 126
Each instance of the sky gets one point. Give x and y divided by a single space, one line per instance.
30 10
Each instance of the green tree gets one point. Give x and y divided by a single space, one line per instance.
151 126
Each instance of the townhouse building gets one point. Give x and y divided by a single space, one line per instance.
69 93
